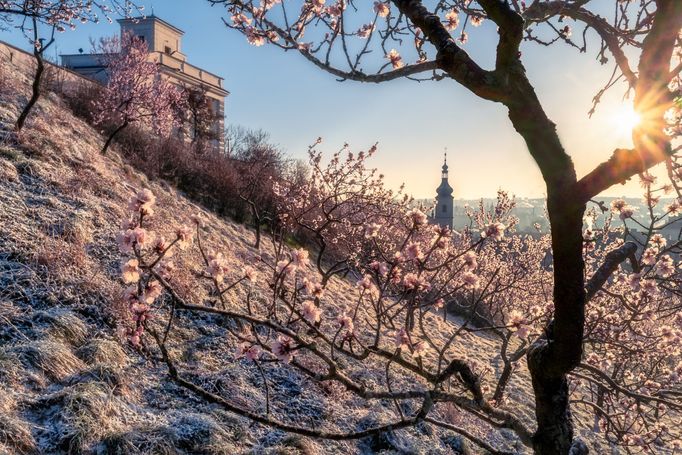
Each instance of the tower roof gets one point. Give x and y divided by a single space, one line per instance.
150 18
444 189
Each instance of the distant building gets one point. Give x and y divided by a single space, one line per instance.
164 42
443 211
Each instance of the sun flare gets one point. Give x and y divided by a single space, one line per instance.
626 119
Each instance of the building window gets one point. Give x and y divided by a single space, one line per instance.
168 50
444 209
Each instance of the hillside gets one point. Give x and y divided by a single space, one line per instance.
68 382
71 383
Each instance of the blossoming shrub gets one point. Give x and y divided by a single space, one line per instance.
390 338
135 92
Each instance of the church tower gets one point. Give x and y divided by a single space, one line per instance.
443 212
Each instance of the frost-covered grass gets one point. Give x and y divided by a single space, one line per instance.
68 383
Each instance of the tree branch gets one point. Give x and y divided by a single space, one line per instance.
613 260
451 58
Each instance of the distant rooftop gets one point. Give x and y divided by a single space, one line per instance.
151 17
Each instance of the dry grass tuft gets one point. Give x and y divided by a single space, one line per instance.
74 229
197 433
103 351
15 432
88 414
64 324
8 172
52 357
140 441
112 376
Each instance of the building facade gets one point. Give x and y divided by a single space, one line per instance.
164 41
443 212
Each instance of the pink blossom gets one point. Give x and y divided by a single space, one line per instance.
143 202
396 60
413 252
451 20
126 241
135 93
250 273
161 246
627 212
382 9
649 256
310 311
372 230
132 237
665 266
418 217
365 30
412 281
646 179
299 257
313 288
649 287
494 231
284 267
366 283
151 292
130 271
402 339
469 260
185 237
240 19
217 266
380 267
165 268
282 348
674 207
345 322
254 37
618 204
470 280
249 351
658 240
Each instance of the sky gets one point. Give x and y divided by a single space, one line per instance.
412 122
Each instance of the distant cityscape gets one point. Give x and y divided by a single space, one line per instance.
531 212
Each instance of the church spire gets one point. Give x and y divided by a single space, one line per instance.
445 165
444 209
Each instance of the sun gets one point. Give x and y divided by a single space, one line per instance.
626 119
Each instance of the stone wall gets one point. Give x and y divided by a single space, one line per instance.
59 77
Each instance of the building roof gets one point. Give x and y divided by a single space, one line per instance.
444 189
153 18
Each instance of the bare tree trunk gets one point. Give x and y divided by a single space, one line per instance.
35 94
111 137
553 356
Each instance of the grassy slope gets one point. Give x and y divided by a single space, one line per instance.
68 384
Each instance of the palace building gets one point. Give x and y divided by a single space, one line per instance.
164 41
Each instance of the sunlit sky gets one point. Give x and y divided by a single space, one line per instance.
413 122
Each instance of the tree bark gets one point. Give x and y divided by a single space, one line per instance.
111 137
552 357
35 93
